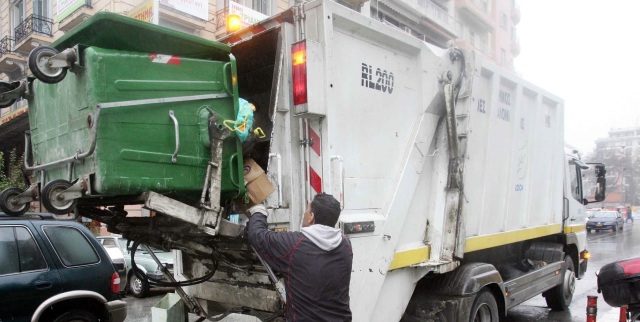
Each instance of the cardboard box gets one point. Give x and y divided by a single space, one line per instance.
258 185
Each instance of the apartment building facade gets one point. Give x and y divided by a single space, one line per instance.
486 26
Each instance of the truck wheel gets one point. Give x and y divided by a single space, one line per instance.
138 287
485 308
9 205
76 315
50 198
39 65
559 298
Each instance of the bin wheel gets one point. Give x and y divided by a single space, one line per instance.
39 65
9 204
52 201
5 87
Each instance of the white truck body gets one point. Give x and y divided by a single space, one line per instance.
373 133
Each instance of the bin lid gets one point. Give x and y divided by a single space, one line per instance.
109 30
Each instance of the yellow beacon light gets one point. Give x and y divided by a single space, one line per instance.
233 23
299 57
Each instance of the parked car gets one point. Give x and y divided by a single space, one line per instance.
137 286
603 220
119 263
53 270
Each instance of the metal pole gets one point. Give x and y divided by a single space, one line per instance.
592 308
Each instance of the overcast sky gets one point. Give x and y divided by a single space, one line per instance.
588 53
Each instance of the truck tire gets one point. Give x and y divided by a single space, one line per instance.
485 308
559 298
76 315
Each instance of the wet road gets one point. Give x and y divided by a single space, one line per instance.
605 247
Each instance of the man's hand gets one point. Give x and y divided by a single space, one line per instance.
259 208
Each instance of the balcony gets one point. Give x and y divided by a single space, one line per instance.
515 15
81 14
6 45
221 19
477 12
32 32
11 63
435 17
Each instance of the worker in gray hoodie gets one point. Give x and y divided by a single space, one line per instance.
315 262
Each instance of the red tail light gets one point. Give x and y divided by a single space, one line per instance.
115 283
299 62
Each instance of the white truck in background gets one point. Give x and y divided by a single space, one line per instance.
458 195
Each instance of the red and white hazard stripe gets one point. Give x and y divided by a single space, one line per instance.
165 59
315 157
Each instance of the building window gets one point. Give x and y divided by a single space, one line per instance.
503 56
17 15
41 8
505 20
262 6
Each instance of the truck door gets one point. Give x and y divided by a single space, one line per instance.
574 213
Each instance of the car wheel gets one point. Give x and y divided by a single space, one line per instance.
615 228
588 230
76 316
137 286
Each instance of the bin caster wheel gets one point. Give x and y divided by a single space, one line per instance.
54 201
9 202
5 87
39 65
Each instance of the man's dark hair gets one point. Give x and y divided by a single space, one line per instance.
326 209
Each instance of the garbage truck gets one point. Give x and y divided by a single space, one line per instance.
458 193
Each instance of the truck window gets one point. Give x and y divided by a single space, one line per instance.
576 186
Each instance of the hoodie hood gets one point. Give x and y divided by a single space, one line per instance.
325 237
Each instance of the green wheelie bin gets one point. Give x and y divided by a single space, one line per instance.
132 113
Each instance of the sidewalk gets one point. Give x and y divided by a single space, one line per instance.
612 315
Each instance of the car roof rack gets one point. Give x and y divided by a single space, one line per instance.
29 215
